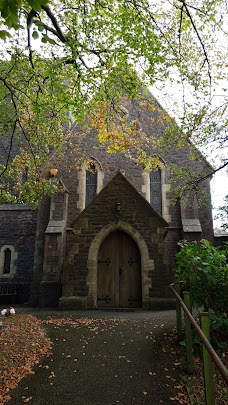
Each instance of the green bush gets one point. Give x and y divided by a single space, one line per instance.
205 269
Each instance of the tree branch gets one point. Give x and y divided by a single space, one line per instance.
198 36
211 173
180 26
10 148
30 18
192 185
29 47
50 29
55 23
17 121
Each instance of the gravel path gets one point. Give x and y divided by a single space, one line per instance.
104 358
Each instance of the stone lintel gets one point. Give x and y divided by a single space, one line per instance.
16 207
191 225
55 227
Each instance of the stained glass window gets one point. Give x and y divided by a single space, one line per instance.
156 191
91 183
7 261
25 175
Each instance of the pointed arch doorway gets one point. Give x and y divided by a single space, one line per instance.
119 280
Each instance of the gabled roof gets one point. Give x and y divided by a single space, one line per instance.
125 184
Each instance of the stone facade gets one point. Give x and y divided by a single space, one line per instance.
17 235
69 234
137 218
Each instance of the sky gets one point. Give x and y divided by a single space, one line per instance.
219 181
219 188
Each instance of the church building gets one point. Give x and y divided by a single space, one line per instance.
108 237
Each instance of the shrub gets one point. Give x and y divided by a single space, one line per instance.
204 268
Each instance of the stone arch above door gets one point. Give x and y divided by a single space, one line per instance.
119 276
146 263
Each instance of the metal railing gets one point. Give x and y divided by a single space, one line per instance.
209 354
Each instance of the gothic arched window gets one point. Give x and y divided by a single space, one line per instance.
91 183
7 261
156 190
24 175
8 255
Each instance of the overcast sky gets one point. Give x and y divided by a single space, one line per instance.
219 182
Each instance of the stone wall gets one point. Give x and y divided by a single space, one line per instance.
138 219
43 214
111 163
89 223
18 231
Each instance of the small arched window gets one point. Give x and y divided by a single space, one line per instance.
7 261
156 190
91 183
24 175
8 256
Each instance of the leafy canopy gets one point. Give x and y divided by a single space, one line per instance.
69 57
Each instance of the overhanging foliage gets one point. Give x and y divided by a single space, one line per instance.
65 58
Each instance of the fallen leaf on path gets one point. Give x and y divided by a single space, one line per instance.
22 345
25 400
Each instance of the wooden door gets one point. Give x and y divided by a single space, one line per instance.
119 272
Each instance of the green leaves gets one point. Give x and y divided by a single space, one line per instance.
4 34
10 9
9 12
37 4
46 38
99 52
35 35
204 267
39 25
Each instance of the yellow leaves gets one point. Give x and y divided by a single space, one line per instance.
150 163
122 134
180 400
114 130
150 107
168 118
118 137
26 400
94 122
26 329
